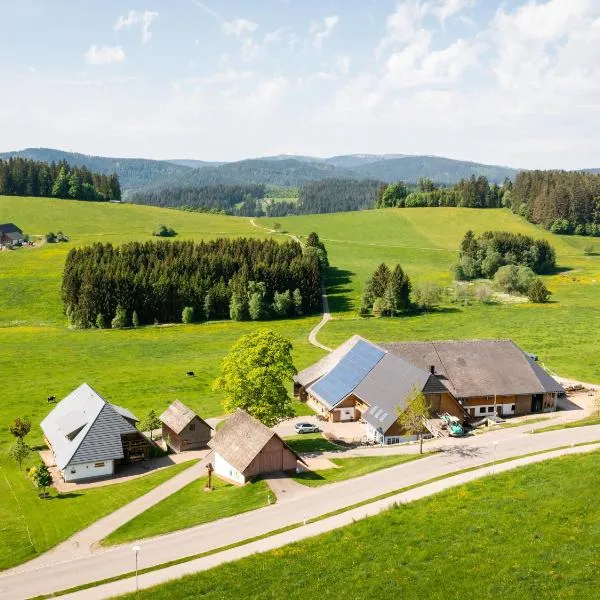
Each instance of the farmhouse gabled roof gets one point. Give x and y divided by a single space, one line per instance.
6 228
178 416
84 427
478 367
241 440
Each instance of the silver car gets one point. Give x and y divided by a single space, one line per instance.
305 428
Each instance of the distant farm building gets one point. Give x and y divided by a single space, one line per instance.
11 235
89 437
362 381
183 429
244 448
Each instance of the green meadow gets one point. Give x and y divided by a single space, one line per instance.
145 368
528 533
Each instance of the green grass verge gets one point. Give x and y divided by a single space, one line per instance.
30 525
592 420
308 443
536 522
193 505
348 468
294 525
509 425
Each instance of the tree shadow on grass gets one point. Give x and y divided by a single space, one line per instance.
65 496
338 289
309 476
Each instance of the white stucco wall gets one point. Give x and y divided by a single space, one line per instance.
87 470
223 468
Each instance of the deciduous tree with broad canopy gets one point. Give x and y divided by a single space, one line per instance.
254 376
413 416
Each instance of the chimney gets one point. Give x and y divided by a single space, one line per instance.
432 369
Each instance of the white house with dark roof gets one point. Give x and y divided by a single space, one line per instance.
10 235
467 379
89 437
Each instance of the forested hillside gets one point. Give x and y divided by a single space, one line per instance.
337 195
562 201
25 177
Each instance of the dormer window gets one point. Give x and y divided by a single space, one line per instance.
71 436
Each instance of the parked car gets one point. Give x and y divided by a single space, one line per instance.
305 428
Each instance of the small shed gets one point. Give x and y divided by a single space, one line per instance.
183 429
244 448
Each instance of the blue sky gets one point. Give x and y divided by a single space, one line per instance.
514 82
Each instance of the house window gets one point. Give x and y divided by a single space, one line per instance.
99 464
482 409
192 426
512 408
490 409
73 470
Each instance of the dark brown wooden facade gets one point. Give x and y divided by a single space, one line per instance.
194 436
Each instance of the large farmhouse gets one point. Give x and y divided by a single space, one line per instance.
244 448
90 437
10 235
467 379
183 429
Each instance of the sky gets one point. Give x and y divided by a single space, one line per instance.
514 83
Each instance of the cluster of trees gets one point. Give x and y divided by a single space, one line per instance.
24 177
482 256
53 238
140 283
386 292
337 195
164 231
519 279
564 202
475 192
217 198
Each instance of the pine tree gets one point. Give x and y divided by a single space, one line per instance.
100 321
120 319
380 280
187 316
60 189
135 319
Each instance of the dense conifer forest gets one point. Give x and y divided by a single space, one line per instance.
141 283
562 201
25 177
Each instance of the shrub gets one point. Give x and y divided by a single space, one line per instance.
483 293
51 237
164 231
514 279
120 319
135 319
100 321
589 250
427 295
187 316
282 303
538 292
561 226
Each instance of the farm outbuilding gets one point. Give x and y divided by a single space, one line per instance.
244 448
183 429
11 235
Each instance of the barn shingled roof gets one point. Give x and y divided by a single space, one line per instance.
178 416
241 439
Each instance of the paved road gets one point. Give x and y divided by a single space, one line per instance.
37 578
309 530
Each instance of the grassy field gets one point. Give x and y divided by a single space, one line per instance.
348 468
425 241
530 533
309 443
30 526
191 506
145 369
591 420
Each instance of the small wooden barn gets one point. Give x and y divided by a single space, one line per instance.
183 429
244 448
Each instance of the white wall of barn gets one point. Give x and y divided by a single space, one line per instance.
100 468
223 468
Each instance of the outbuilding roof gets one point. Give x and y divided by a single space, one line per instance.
242 438
9 228
178 416
478 367
84 427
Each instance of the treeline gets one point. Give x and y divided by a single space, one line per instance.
562 201
25 177
152 282
337 195
475 192
483 255
218 198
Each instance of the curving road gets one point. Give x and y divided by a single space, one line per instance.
46 574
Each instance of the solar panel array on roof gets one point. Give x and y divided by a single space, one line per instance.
347 374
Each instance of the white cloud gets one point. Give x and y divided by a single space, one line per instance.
239 27
267 94
404 24
276 35
450 8
338 66
142 18
319 32
104 55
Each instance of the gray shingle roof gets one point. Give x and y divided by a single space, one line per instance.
241 439
386 388
84 427
349 371
9 228
178 416
478 367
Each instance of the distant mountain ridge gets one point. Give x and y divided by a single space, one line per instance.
280 170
